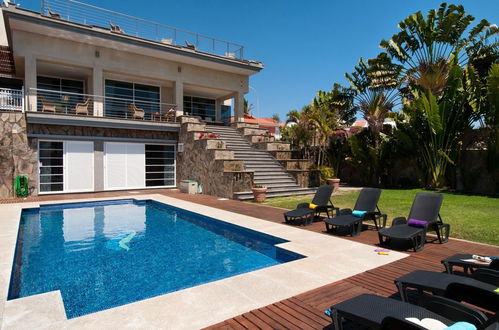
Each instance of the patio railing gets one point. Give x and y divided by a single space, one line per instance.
77 104
11 99
83 13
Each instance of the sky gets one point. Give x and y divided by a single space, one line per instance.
305 46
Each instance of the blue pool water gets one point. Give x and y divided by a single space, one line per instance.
106 254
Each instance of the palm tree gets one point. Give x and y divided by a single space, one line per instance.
247 107
375 84
432 52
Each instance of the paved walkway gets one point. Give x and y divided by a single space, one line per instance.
305 311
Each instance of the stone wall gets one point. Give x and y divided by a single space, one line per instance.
208 162
16 155
100 132
19 154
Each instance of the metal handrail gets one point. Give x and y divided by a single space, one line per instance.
70 103
87 14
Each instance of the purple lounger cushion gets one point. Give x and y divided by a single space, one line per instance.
417 223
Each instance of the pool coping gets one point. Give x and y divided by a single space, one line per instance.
329 259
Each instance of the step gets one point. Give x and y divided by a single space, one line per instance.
247 195
264 167
279 185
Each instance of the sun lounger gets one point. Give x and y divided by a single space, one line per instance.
306 212
468 264
423 217
378 312
459 288
366 208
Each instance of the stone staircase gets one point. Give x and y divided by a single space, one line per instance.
267 170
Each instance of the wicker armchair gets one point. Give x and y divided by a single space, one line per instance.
136 112
48 106
82 108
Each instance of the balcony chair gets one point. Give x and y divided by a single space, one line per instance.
170 115
47 106
366 208
423 217
82 108
116 28
54 15
189 45
137 113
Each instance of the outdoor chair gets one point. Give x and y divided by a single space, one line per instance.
366 208
423 217
189 45
376 312
54 15
82 108
137 113
47 106
307 212
170 115
116 28
468 264
459 288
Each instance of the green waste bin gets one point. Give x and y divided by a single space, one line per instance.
21 187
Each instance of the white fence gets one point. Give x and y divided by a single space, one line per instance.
11 99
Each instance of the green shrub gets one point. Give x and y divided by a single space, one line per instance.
326 173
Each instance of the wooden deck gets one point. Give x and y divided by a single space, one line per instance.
306 311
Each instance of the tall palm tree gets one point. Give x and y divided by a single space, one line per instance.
432 52
375 83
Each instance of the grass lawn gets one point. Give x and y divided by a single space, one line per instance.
475 218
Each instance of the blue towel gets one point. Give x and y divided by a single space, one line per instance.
327 312
462 326
358 214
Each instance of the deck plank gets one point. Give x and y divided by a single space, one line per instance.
306 310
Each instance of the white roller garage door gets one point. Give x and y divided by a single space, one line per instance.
79 165
124 165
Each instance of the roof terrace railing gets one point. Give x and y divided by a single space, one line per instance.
83 13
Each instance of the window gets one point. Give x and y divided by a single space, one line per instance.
51 157
198 106
120 94
63 92
160 165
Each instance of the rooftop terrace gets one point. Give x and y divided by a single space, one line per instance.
119 23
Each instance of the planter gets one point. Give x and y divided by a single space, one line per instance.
259 194
334 182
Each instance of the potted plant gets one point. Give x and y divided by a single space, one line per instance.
259 192
335 182
327 176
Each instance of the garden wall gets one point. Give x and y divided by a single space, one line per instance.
16 155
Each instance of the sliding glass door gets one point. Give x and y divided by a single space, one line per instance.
120 95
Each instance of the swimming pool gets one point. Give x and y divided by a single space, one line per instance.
106 254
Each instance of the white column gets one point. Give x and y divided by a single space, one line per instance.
98 91
178 96
30 82
238 107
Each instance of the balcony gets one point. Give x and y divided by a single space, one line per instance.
118 23
11 99
66 108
